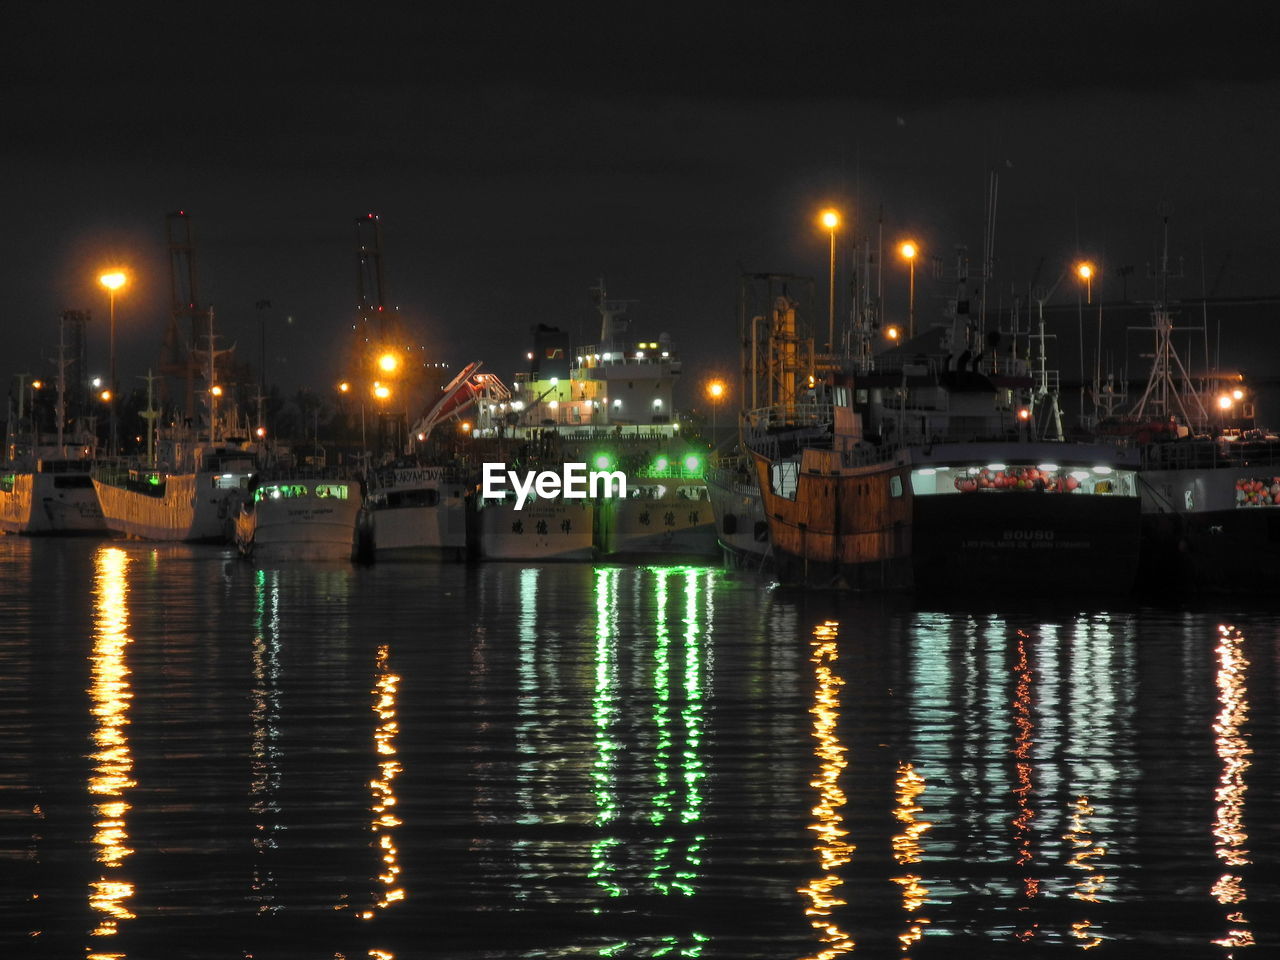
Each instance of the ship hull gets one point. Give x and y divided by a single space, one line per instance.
543 530
677 525
1025 544
50 504
742 527
418 519
317 521
1201 532
190 508
869 528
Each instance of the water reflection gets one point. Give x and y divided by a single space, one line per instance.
1234 752
382 788
264 746
831 847
671 804
907 850
110 695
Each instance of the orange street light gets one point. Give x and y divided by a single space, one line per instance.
344 387
112 280
715 390
908 249
388 362
381 391
892 333
1085 272
831 220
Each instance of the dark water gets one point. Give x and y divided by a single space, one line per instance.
203 759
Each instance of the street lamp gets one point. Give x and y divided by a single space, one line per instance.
1085 272
715 390
113 280
831 220
909 251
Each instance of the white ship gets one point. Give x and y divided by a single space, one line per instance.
45 486
191 496
417 512
608 405
49 496
542 530
305 514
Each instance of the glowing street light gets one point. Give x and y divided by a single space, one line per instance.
112 280
344 387
1085 272
381 391
715 390
909 251
388 362
830 219
892 332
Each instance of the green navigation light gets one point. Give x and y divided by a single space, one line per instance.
692 463
602 461
661 463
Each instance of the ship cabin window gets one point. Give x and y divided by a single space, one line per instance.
332 491
782 479
895 486
72 481
1024 478
412 498
230 481
6 482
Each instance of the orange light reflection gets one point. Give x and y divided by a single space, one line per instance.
1234 752
110 695
832 849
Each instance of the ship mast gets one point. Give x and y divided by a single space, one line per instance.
1162 396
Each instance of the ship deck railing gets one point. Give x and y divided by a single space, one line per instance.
1208 453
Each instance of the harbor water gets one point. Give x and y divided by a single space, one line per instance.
204 758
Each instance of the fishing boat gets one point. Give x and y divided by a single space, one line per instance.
741 525
542 530
301 513
1210 478
417 511
667 513
49 496
919 467
45 486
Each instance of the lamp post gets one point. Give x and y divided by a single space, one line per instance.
715 390
909 251
113 280
1084 270
831 220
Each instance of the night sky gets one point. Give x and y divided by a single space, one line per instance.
515 154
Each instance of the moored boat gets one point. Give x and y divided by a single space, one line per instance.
417 512
920 468
300 514
190 496
49 496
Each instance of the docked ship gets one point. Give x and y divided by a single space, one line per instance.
190 495
1210 480
922 467
610 405
301 513
45 486
417 512
742 526
44 493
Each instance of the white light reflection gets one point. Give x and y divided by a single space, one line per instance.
110 695
264 752
1234 752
